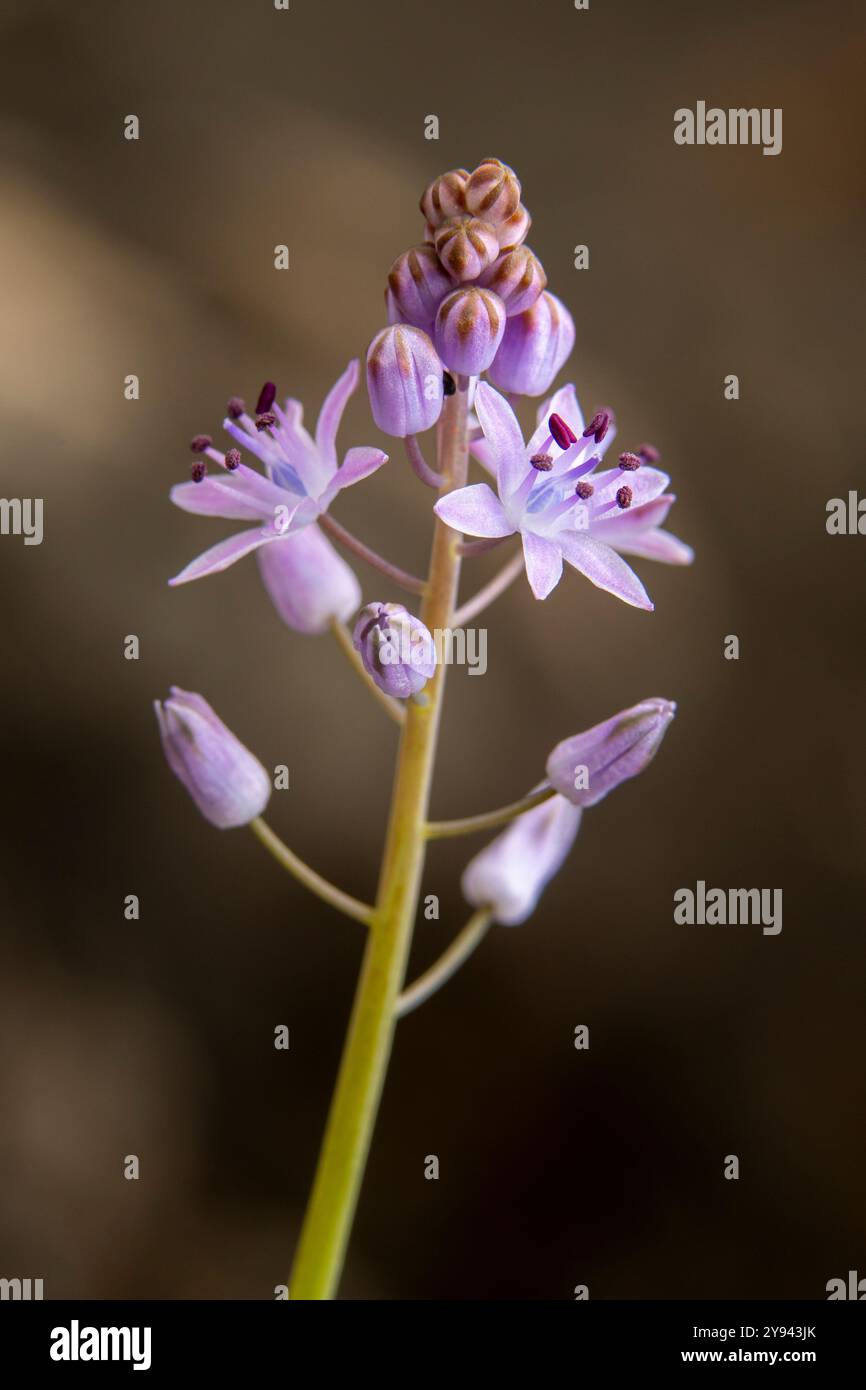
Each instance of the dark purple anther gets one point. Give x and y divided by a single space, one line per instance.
629 463
562 432
200 442
233 459
649 453
235 408
267 396
623 497
599 425
265 419
449 385
198 471
584 490
543 462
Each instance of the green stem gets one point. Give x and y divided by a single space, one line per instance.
322 887
448 964
490 820
328 1220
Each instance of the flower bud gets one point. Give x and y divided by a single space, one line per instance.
308 582
533 348
469 329
517 277
396 649
510 874
466 246
585 768
445 197
417 284
404 381
513 232
225 780
493 191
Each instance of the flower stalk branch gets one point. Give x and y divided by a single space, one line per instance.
321 887
489 820
408 581
442 970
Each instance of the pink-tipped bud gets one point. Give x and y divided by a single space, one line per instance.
533 348
493 191
469 328
225 780
512 232
396 648
445 197
404 381
518 278
417 284
466 246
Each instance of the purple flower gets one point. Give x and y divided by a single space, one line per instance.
535 345
562 507
396 648
302 476
510 874
225 780
588 766
404 381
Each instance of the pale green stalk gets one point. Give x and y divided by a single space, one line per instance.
331 1208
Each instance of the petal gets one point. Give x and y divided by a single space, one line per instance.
503 435
474 510
543 563
656 544
604 568
480 450
636 532
225 553
332 413
646 485
359 463
243 495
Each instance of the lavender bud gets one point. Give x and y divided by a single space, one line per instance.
469 329
518 278
445 197
466 246
396 649
417 283
585 768
510 874
533 348
225 780
404 381
513 232
493 192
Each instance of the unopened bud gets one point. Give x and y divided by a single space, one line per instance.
404 381
445 197
466 246
396 648
417 285
469 328
533 348
225 780
493 192
518 278
609 753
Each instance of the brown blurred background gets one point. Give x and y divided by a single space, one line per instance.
155 1037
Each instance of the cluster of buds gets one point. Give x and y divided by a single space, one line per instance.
470 299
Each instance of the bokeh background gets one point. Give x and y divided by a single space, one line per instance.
155 1037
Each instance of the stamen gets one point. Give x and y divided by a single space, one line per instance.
649 453
235 408
198 471
200 442
267 396
561 431
449 385
584 490
623 497
265 419
630 463
599 425
233 459
543 462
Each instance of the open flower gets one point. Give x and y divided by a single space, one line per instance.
301 479
551 492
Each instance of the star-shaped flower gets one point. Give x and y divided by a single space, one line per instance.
302 475
550 492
